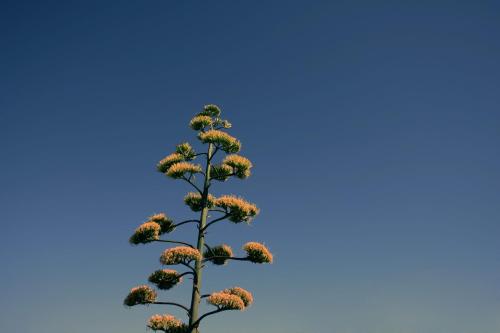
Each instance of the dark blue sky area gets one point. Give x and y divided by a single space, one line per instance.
374 128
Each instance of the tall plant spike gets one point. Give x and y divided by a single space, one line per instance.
180 165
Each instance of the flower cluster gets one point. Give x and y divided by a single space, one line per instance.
238 209
166 224
221 139
193 200
178 170
179 254
240 166
258 253
211 110
245 295
140 295
186 151
165 278
218 254
168 161
167 323
146 233
200 122
226 301
221 172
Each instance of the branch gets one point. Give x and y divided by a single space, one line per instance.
190 182
216 220
218 211
196 323
174 242
185 273
222 257
190 267
213 154
184 222
174 304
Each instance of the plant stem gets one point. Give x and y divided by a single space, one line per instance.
196 295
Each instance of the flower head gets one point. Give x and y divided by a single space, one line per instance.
239 165
218 254
238 209
165 278
179 254
221 139
221 172
194 201
200 122
245 295
186 151
140 295
166 224
179 169
226 301
258 253
168 161
146 233
166 323
211 110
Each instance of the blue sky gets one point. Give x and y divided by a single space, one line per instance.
373 128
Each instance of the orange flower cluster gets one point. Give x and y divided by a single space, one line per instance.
220 252
140 295
146 233
226 301
179 254
168 161
200 122
166 323
165 278
179 169
245 295
193 200
240 165
258 253
166 224
221 139
238 209
185 150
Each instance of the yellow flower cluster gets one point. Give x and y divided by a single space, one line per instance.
166 323
239 210
140 295
179 254
200 122
221 172
221 139
166 224
258 253
240 165
193 200
146 233
226 301
186 151
165 278
245 295
218 254
211 110
168 161
178 170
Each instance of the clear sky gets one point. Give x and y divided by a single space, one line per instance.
374 128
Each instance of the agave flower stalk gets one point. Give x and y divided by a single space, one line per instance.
193 257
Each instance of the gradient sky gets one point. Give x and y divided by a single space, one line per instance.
374 128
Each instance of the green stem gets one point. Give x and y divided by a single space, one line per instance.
196 295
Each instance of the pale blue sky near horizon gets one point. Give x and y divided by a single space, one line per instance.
373 128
